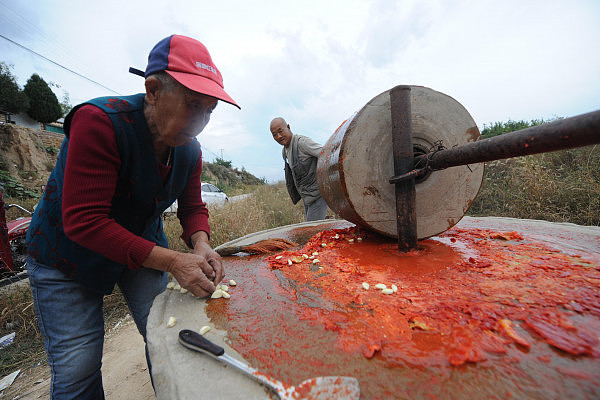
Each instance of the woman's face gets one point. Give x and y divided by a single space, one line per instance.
180 114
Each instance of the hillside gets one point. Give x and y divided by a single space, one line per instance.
224 177
27 157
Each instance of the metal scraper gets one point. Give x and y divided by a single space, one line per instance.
319 388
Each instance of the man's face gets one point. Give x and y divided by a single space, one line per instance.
181 114
281 132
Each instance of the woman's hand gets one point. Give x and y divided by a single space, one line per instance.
199 272
214 260
196 272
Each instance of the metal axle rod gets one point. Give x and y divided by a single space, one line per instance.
581 130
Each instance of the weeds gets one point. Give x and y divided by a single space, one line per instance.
13 187
562 186
268 206
27 203
17 315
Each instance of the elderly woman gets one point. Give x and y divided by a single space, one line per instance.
123 162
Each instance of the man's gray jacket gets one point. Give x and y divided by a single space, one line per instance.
300 170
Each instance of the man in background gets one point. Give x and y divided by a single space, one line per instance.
300 155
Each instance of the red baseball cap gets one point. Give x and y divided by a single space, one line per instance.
189 63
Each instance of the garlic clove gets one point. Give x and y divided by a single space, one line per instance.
204 329
171 322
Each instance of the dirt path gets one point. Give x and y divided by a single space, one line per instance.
124 371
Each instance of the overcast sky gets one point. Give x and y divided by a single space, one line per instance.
317 62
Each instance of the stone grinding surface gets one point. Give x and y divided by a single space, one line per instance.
493 308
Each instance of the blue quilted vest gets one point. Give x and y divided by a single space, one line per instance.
140 196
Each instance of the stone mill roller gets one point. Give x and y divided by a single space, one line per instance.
409 164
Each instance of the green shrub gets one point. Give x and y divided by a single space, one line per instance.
53 151
498 128
12 187
225 163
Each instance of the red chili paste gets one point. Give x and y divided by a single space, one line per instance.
522 311
446 306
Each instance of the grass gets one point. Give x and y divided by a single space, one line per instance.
561 186
268 206
17 315
14 213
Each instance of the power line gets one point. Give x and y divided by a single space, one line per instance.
57 64
13 20
206 149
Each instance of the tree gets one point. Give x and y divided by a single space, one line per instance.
12 99
65 104
43 104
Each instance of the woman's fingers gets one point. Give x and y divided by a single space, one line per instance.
207 269
198 274
202 287
217 267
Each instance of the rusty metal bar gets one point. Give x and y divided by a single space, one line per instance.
406 215
581 130
414 174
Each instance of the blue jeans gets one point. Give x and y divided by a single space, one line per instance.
71 320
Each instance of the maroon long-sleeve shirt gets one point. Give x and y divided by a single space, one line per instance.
89 185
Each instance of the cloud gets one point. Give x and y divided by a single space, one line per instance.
315 62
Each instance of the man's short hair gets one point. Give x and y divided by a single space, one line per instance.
168 83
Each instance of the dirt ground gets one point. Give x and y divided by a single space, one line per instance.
124 371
